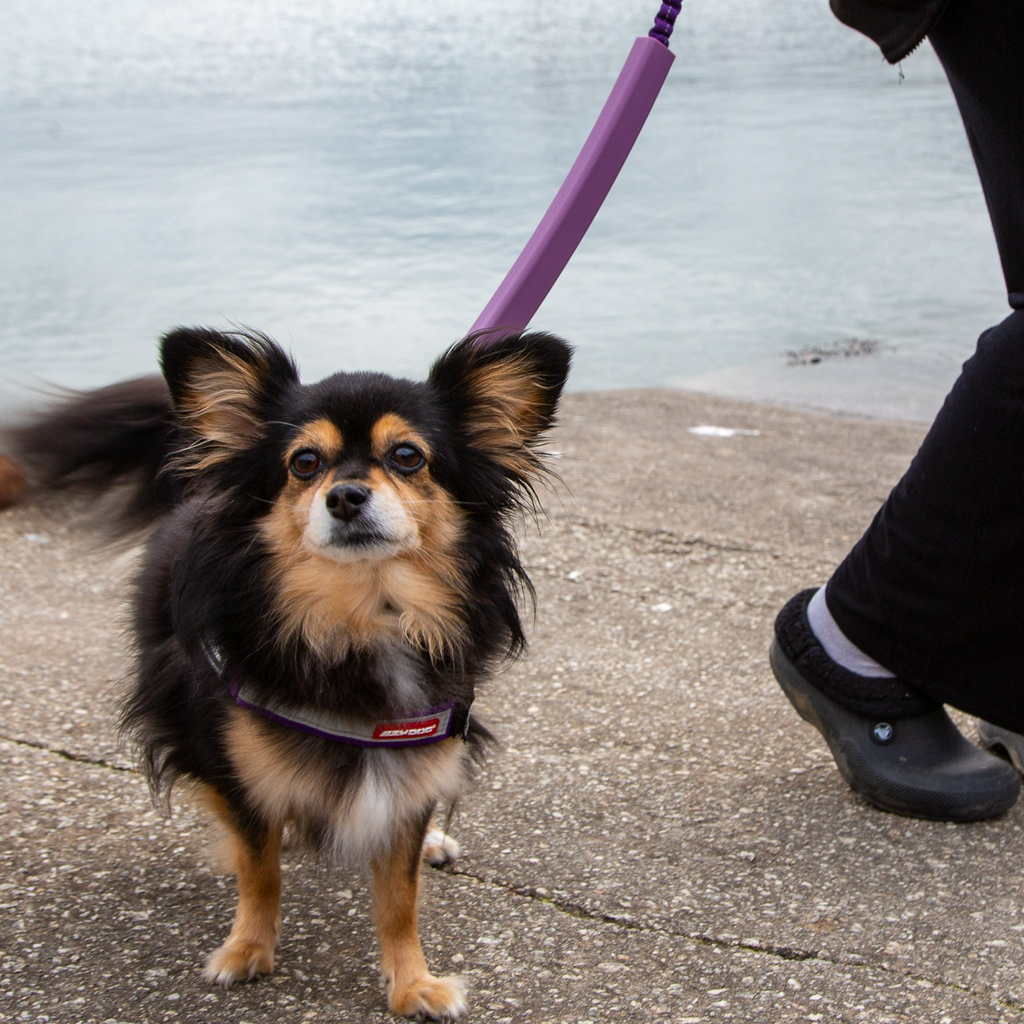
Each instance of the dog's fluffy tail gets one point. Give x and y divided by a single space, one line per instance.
116 438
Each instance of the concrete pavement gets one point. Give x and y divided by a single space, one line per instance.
661 838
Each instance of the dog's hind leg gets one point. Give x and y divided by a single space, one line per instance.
412 989
256 857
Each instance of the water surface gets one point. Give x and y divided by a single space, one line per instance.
356 179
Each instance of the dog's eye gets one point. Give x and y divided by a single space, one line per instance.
406 459
305 464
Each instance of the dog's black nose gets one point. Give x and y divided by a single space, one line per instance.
345 500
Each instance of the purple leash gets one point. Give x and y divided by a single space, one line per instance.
589 180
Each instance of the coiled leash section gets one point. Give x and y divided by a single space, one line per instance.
588 182
665 21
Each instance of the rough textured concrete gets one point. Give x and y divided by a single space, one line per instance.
661 838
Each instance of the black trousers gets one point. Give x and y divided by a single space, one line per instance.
935 589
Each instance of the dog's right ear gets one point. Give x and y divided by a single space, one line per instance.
222 385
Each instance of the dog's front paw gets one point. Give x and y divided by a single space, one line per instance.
238 961
430 998
439 849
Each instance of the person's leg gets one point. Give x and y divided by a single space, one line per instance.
934 591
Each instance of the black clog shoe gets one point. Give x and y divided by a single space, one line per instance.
919 765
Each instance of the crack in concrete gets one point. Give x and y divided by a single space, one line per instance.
571 909
656 534
67 754
710 941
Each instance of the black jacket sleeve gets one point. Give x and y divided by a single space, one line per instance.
897 26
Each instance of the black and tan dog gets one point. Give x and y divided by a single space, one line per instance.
331 574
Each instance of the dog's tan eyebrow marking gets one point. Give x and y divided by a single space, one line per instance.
322 436
392 428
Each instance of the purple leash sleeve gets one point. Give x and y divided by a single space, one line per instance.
591 177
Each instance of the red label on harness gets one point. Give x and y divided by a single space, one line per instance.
407 730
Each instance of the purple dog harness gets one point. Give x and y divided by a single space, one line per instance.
428 726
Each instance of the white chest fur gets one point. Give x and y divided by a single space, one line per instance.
383 790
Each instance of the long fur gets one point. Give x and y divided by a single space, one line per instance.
246 557
120 436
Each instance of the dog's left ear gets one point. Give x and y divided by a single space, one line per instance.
503 394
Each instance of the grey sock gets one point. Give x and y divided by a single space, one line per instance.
836 646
